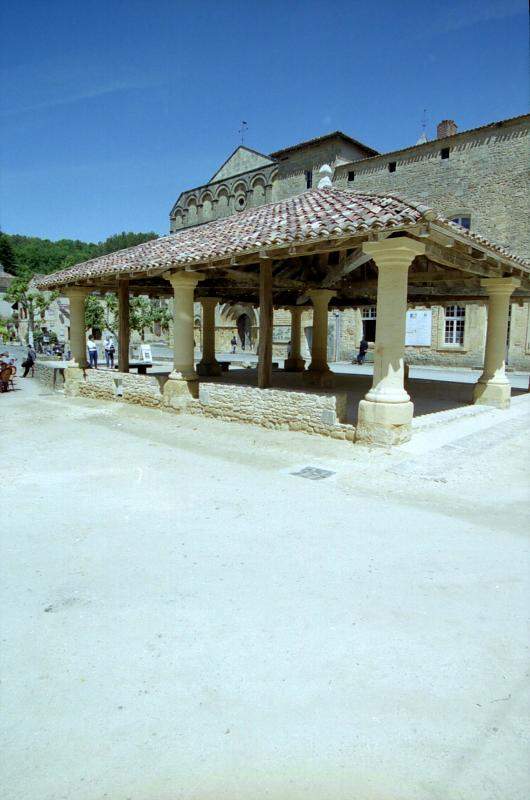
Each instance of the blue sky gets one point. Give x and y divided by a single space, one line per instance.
110 109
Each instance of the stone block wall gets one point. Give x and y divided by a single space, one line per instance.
291 178
470 354
485 177
271 408
519 350
48 376
104 385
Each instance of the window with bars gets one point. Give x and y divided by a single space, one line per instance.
455 322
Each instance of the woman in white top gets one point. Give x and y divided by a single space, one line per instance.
92 352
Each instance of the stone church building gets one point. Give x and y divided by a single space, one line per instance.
478 178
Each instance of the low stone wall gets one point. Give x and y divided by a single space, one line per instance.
273 408
101 384
50 377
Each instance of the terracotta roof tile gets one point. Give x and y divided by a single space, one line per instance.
314 215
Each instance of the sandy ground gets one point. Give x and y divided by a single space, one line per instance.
183 618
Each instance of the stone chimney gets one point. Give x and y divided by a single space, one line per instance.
447 127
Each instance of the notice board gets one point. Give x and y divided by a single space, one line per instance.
419 327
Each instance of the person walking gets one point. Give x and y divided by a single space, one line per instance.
233 342
111 352
92 352
29 363
106 345
363 348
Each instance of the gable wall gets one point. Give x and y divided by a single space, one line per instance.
291 170
242 161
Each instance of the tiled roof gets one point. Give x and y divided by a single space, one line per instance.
315 215
324 138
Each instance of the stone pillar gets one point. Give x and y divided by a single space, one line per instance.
295 362
493 387
208 364
265 325
319 372
200 212
268 193
385 415
182 384
76 296
124 327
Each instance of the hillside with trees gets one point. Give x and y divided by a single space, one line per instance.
28 255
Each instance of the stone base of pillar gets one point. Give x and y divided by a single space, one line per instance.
319 377
211 368
73 376
384 423
492 394
179 392
294 365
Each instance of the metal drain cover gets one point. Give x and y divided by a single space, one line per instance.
313 473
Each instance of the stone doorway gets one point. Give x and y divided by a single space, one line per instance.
369 329
244 331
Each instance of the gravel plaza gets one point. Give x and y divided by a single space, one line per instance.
223 611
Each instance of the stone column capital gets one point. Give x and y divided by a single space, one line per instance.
398 252
182 280
73 292
500 286
320 296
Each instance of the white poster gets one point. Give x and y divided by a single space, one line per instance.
146 353
419 327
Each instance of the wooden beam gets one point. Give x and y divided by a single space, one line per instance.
347 265
449 257
123 333
265 325
252 279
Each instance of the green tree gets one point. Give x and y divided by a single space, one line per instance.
19 292
7 256
120 241
94 313
41 256
140 315
161 315
110 312
30 301
44 301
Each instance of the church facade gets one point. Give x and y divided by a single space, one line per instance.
478 178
